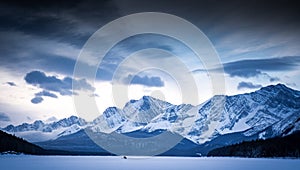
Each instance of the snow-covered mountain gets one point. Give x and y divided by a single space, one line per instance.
271 111
40 131
268 112
147 113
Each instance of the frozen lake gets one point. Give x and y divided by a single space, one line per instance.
8 162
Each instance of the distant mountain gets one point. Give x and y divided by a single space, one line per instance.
287 146
40 131
222 120
41 126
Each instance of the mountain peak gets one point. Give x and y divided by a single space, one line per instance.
276 88
145 100
279 86
150 98
146 97
110 111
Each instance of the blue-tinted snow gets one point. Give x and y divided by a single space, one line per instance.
142 163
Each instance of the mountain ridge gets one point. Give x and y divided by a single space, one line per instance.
268 112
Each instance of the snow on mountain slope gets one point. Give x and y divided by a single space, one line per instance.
38 136
274 104
285 127
169 119
111 119
46 127
70 130
250 113
145 109
40 131
135 115
271 111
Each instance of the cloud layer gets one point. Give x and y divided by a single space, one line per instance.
257 67
45 93
248 85
145 80
54 84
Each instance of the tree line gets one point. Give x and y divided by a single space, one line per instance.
10 142
288 146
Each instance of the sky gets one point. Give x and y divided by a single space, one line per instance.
257 43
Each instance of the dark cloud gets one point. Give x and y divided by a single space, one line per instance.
242 72
273 79
251 68
37 100
248 85
4 117
39 96
38 28
45 93
52 83
145 80
62 17
215 17
256 67
11 83
60 20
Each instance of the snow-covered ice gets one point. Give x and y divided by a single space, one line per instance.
10 162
